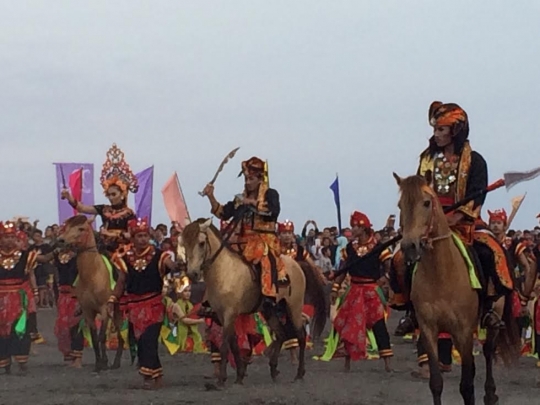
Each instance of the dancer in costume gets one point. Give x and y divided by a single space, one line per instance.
142 270
16 279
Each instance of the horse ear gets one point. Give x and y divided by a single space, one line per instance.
205 225
398 179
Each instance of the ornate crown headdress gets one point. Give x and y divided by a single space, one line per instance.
116 172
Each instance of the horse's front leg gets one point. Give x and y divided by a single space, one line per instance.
429 339
302 336
120 349
228 334
90 323
103 340
240 365
490 398
464 344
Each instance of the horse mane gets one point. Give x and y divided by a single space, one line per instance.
190 232
411 191
76 220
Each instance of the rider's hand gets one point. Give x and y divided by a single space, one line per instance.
250 201
455 218
209 190
66 195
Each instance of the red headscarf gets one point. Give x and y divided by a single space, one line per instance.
360 219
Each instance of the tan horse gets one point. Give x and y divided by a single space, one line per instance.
93 288
232 289
441 292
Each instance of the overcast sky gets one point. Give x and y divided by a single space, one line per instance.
315 87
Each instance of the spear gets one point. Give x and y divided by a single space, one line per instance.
509 180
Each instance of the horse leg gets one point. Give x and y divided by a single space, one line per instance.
240 365
95 345
103 342
302 336
120 349
464 344
429 340
228 334
490 398
275 348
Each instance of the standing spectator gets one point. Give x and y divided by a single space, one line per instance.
311 235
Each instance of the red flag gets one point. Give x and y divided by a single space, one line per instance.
76 185
175 205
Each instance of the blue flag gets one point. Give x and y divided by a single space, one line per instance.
335 189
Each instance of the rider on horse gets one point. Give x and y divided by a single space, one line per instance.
256 231
456 171
117 181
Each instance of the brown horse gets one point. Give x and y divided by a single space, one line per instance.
93 288
441 292
232 290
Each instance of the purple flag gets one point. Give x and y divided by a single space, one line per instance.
63 172
143 197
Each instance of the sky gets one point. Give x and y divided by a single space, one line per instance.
315 87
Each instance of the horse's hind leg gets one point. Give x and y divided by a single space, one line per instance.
464 345
490 398
275 348
429 340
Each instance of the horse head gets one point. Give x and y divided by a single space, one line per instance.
76 232
195 246
421 216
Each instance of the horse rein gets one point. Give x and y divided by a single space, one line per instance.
207 262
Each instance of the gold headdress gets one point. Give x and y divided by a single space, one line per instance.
116 172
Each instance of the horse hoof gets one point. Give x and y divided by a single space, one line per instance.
239 381
115 366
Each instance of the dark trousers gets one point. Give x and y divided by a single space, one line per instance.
31 326
147 351
77 341
382 337
13 345
444 346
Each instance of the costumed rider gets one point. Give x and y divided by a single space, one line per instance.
363 307
257 210
455 172
117 181
142 269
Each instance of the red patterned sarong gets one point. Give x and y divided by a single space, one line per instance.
66 319
247 336
360 311
144 310
10 307
32 307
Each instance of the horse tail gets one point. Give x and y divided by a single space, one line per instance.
508 340
316 297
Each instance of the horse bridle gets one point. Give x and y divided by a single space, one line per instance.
208 261
426 241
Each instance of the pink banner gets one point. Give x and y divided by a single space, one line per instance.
175 205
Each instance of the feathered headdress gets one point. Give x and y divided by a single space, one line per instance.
116 172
